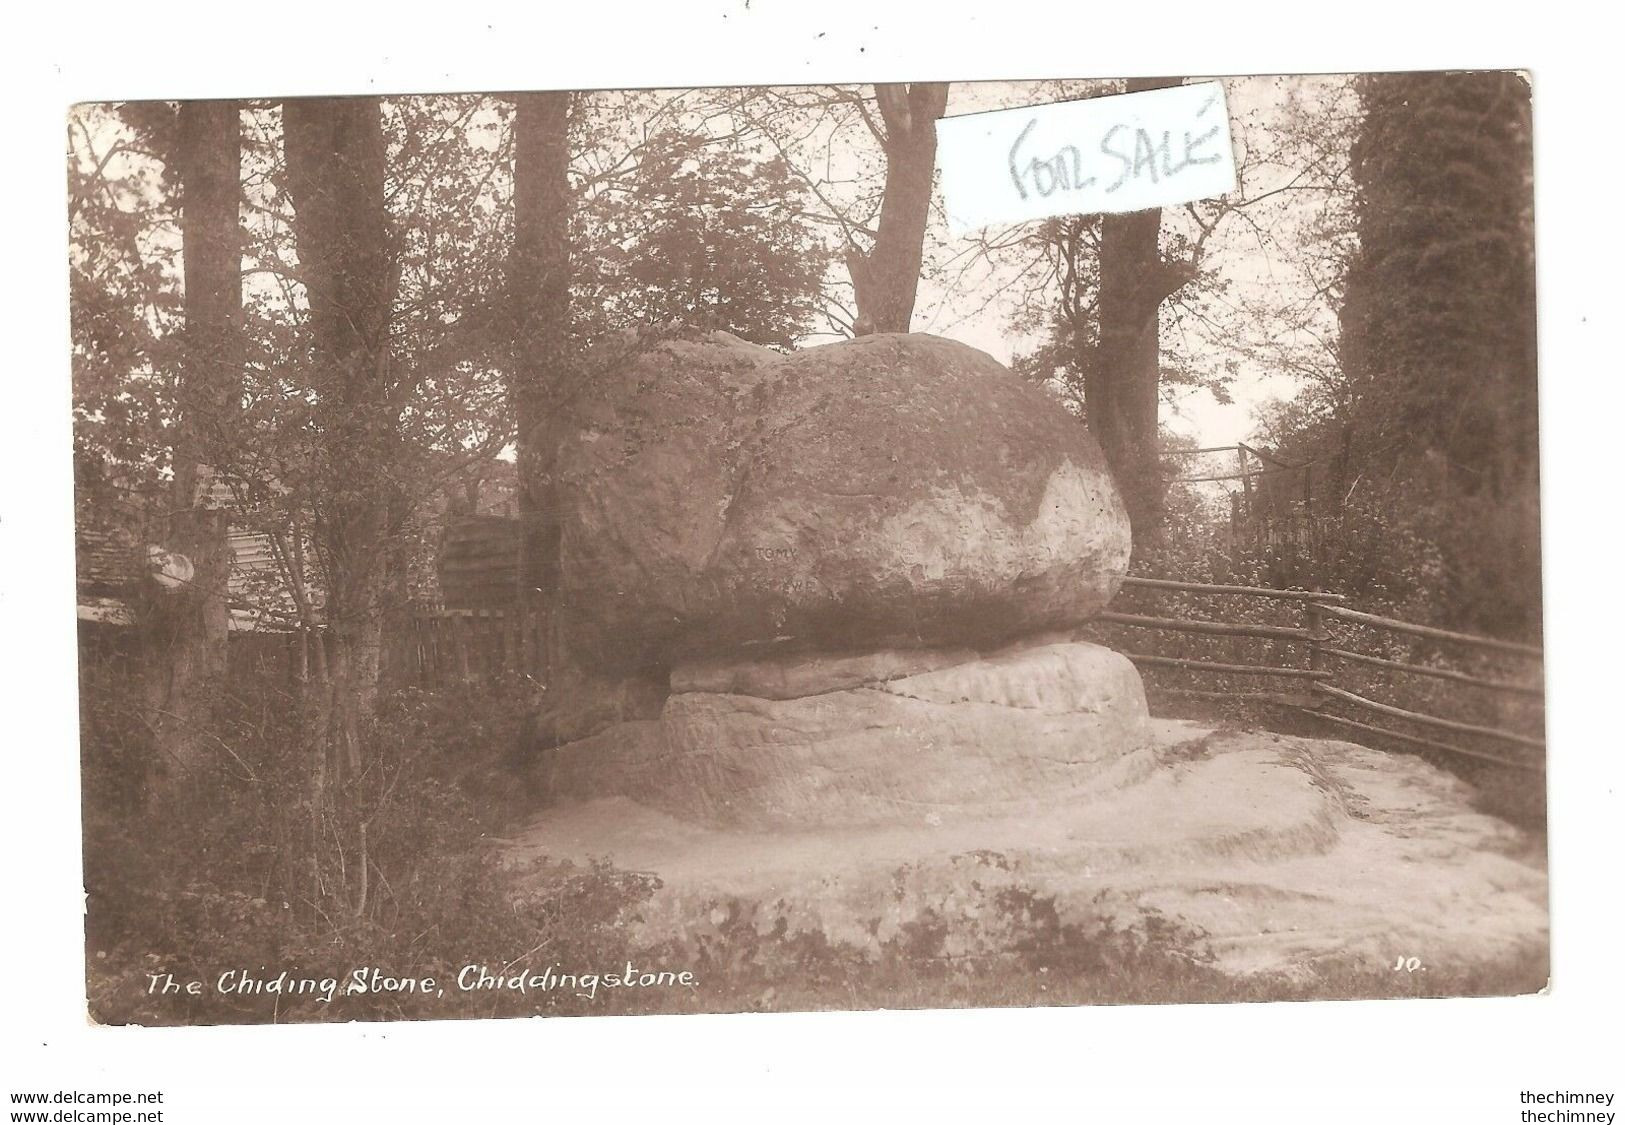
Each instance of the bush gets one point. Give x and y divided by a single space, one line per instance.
239 870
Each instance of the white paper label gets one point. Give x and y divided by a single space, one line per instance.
1124 153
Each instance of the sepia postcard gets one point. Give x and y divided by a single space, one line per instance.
792 548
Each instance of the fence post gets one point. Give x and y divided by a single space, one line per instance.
459 640
420 650
1315 622
1311 546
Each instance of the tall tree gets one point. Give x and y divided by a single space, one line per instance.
1438 334
187 628
539 296
868 159
1122 386
886 278
336 178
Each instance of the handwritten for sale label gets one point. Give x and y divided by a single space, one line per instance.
1130 152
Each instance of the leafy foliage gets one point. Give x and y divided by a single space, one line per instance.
238 872
707 236
1429 422
124 291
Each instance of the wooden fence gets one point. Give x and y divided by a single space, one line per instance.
1335 681
1281 511
448 646
1320 663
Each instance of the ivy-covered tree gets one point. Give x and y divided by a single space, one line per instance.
1438 332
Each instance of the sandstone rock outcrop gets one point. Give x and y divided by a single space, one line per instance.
1259 853
1062 721
887 492
843 560
859 572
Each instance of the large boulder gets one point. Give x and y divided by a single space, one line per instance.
897 491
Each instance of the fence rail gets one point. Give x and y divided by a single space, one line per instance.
1325 661
1426 720
1217 628
446 646
1436 673
1253 591
1426 743
1429 631
1229 669
443 646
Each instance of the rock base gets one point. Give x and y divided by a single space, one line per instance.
1264 853
887 738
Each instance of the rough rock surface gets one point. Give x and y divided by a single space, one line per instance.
858 570
919 737
790 676
1267 853
886 492
579 706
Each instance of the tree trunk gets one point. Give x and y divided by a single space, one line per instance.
886 279
540 303
187 638
335 160
1123 381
